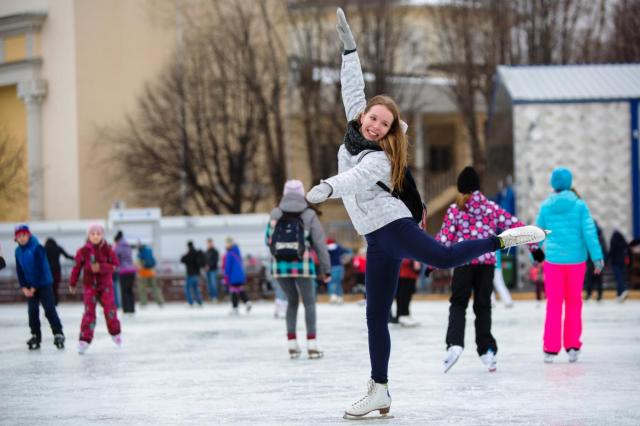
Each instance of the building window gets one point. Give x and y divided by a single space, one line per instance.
441 139
441 158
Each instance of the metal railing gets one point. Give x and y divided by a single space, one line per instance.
435 184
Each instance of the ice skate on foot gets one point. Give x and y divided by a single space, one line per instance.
623 296
58 341
33 343
117 339
294 349
312 349
248 306
407 321
453 354
82 346
522 235
573 355
489 360
549 358
376 399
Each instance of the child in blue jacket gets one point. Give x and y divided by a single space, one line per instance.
34 276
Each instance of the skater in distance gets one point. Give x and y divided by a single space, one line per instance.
372 169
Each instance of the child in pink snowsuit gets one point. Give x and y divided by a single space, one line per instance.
97 260
573 234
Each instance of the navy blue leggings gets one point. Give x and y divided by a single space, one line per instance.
387 247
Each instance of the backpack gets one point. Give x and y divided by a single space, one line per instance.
287 241
409 195
146 256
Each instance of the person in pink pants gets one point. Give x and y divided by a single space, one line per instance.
573 236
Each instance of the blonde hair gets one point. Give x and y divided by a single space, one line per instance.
461 200
394 143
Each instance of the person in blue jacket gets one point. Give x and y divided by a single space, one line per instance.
573 236
234 276
34 277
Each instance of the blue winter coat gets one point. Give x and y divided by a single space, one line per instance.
233 267
32 265
573 231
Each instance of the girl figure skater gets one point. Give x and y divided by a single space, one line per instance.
375 149
472 217
97 261
573 235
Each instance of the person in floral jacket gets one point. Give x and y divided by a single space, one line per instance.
473 217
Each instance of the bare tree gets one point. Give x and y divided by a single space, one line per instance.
210 129
381 31
624 42
478 35
314 60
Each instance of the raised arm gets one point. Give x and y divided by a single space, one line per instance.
351 78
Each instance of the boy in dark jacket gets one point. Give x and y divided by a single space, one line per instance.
34 276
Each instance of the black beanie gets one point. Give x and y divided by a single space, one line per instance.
468 180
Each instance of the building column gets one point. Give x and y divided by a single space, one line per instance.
32 93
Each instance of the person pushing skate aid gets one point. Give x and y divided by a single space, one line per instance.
375 151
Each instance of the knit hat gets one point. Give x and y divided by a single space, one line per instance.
561 179
468 180
21 229
96 227
293 186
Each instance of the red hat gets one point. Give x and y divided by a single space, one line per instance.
21 229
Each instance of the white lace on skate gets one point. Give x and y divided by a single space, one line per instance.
377 398
523 235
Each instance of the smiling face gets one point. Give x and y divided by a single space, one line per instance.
95 237
376 122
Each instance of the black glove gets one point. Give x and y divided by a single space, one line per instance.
538 255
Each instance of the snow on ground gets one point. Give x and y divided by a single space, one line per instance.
200 366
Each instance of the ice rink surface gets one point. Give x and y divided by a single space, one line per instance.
201 366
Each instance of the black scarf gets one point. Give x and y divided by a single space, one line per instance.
355 142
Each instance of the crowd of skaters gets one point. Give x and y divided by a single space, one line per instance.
397 253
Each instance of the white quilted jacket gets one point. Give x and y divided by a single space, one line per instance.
369 206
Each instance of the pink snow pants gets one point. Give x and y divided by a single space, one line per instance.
563 284
91 297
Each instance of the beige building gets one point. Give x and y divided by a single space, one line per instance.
69 68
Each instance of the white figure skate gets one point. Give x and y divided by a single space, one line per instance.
312 349
377 398
523 235
453 354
